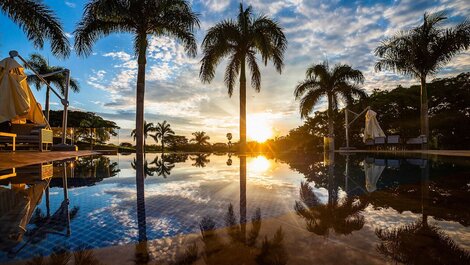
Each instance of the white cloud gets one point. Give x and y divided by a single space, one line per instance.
70 4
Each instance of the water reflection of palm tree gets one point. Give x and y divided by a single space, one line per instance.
162 167
343 218
141 251
200 160
62 256
147 171
434 247
239 249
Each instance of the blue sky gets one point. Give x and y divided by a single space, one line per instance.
339 31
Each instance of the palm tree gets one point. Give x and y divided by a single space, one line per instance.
148 128
141 18
200 138
422 51
341 81
39 64
241 40
39 23
163 130
229 138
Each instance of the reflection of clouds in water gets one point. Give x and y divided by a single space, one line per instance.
458 233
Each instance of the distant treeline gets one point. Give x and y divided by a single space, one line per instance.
398 114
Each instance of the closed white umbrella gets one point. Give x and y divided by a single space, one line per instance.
372 128
17 102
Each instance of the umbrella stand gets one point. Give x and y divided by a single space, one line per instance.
65 100
348 123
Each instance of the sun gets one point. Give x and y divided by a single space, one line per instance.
258 128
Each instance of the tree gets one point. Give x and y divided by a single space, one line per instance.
163 131
229 138
173 18
200 138
148 128
98 128
421 52
341 81
39 23
175 141
241 40
39 64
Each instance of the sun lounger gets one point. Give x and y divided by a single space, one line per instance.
30 135
379 142
393 141
9 135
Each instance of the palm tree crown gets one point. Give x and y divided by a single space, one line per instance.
241 40
40 65
163 130
148 128
200 138
173 18
422 51
339 82
39 23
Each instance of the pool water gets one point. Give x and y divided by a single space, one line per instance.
222 209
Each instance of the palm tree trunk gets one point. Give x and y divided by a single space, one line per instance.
331 133
242 107
48 95
163 146
140 94
424 111
91 138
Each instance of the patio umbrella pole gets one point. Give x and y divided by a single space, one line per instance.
63 146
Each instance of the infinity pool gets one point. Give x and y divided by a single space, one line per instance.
221 209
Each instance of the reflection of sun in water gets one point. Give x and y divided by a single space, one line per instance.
258 128
259 165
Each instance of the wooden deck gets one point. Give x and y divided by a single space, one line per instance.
461 153
25 158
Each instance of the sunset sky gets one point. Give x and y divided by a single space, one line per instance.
337 31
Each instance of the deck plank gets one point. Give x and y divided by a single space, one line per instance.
25 158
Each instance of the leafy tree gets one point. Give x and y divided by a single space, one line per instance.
97 129
173 18
341 81
241 40
163 131
422 51
39 23
176 141
200 138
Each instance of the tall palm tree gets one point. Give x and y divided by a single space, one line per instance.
163 130
200 138
39 64
140 18
39 23
148 128
422 51
241 40
321 80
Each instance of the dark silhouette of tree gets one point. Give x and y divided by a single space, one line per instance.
148 128
339 82
163 131
147 170
39 23
162 166
141 18
422 51
241 40
200 138
343 218
200 160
